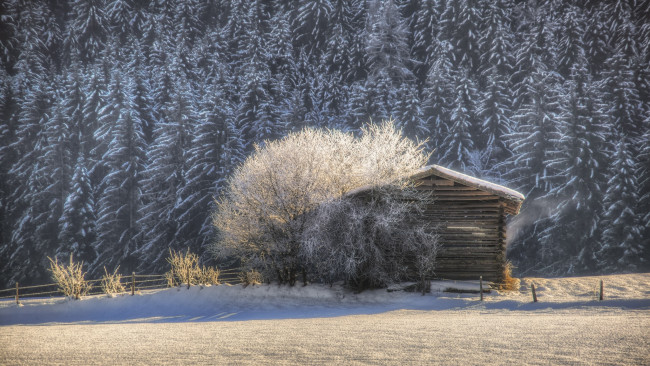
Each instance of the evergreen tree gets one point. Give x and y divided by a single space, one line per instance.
77 224
458 144
495 44
205 164
120 198
532 55
311 25
164 177
87 33
408 113
621 246
27 204
619 90
494 112
529 171
438 98
387 50
571 48
574 224
425 36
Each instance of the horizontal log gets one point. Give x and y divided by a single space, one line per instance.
462 194
454 188
489 276
461 198
470 225
435 182
465 205
469 250
469 235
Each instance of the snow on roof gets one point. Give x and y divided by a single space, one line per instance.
459 177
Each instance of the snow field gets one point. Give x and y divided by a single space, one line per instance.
316 324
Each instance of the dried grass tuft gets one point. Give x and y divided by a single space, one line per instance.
186 269
70 278
112 282
509 283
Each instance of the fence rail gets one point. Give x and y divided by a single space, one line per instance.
132 283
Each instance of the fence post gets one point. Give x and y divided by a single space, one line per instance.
601 291
17 296
188 278
481 287
532 286
132 283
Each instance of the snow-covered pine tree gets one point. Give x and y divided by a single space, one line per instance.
120 197
77 224
494 112
408 113
164 177
8 157
495 43
623 98
573 229
458 144
621 246
533 53
311 25
202 176
73 109
386 47
528 169
465 37
142 93
337 51
596 38
26 207
571 47
425 35
87 32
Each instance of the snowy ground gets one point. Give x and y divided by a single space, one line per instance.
315 324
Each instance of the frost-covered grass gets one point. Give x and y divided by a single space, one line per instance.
316 324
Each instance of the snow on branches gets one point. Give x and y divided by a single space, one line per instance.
269 201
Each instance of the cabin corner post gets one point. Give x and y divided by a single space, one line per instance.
501 244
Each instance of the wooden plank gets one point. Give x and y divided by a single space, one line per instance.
473 198
453 188
436 182
462 194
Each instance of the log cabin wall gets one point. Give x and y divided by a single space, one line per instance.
471 224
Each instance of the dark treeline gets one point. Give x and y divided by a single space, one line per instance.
121 119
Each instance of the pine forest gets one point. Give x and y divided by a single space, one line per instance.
121 120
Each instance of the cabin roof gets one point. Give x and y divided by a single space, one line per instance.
498 190
512 197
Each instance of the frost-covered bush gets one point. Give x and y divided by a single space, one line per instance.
371 240
111 283
251 277
264 211
186 269
70 279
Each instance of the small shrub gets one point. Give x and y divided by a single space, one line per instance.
70 278
208 276
112 282
251 277
183 265
186 269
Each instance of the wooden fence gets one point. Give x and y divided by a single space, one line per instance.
132 283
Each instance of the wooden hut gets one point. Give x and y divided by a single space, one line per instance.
470 214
